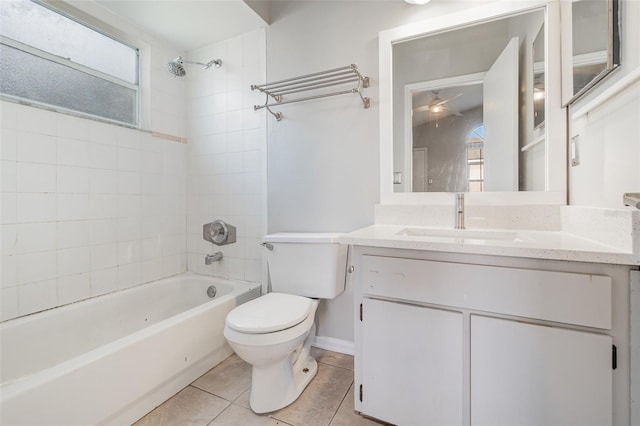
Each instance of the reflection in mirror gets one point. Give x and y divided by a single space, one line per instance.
538 80
463 107
594 46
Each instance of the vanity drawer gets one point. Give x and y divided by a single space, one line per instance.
571 298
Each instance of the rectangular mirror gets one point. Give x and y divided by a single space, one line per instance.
590 44
469 102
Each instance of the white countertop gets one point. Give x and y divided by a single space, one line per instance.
555 245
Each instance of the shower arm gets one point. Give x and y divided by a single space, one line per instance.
216 62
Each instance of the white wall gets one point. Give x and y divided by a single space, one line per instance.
609 141
227 155
323 156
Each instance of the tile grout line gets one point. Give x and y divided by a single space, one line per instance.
341 402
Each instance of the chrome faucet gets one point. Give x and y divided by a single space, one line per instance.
460 211
210 258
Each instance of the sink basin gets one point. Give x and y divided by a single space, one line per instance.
459 234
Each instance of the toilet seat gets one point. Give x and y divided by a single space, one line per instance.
270 313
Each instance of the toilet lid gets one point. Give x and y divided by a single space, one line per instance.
269 313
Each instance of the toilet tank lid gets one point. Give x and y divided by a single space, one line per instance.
269 313
302 237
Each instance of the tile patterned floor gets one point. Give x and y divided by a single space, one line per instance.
221 397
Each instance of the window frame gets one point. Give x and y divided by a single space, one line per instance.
81 68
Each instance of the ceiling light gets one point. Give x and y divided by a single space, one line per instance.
436 109
418 2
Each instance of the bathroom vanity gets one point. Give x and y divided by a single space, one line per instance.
490 327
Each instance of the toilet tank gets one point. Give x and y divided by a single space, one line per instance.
307 264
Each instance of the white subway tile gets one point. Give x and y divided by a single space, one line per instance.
219 103
130 228
8 303
74 261
129 205
151 248
73 180
33 177
235 268
8 272
152 270
253 119
129 275
8 208
73 152
217 123
73 207
235 141
151 162
152 226
129 159
102 156
251 183
175 264
152 205
104 231
8 239
36 148
128 182
8 144
102 133
8 176
70 127
235 183
103 206
235 162
73 288
234 101
104 281
73 234
37 297
34 267
252 140
103 181
253 270
129 252
104 256
252 161
36 120
34 237
151 183
128 138
36 208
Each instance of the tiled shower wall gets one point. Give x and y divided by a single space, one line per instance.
87 208
227 155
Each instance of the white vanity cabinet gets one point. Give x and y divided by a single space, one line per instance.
450 339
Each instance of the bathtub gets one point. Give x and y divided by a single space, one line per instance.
113 358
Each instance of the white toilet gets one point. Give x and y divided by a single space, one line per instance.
273 333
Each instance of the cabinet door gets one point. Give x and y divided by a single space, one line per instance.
528 374
411 364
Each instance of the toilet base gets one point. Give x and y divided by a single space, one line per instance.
277 385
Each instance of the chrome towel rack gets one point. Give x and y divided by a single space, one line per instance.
279 90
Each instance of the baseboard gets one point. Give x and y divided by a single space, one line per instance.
333 344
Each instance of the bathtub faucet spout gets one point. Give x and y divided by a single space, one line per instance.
210 258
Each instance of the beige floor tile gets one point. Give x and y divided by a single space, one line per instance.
189 407
228 380
235 415
243 400
347 416
332 358
320 400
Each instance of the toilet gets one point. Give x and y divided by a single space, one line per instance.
274 332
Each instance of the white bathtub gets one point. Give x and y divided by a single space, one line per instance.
112 359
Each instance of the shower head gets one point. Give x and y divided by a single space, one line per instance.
176 67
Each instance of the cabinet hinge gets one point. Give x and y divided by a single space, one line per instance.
614 357
360 393
361 312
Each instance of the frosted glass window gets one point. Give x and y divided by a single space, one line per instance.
32 77
44 29
51 59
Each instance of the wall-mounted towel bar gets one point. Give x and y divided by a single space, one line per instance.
277 90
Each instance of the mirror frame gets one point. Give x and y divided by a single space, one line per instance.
613 49
555 129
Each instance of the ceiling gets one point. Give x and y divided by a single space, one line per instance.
188 24
463 98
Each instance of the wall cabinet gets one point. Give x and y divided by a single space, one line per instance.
442 341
